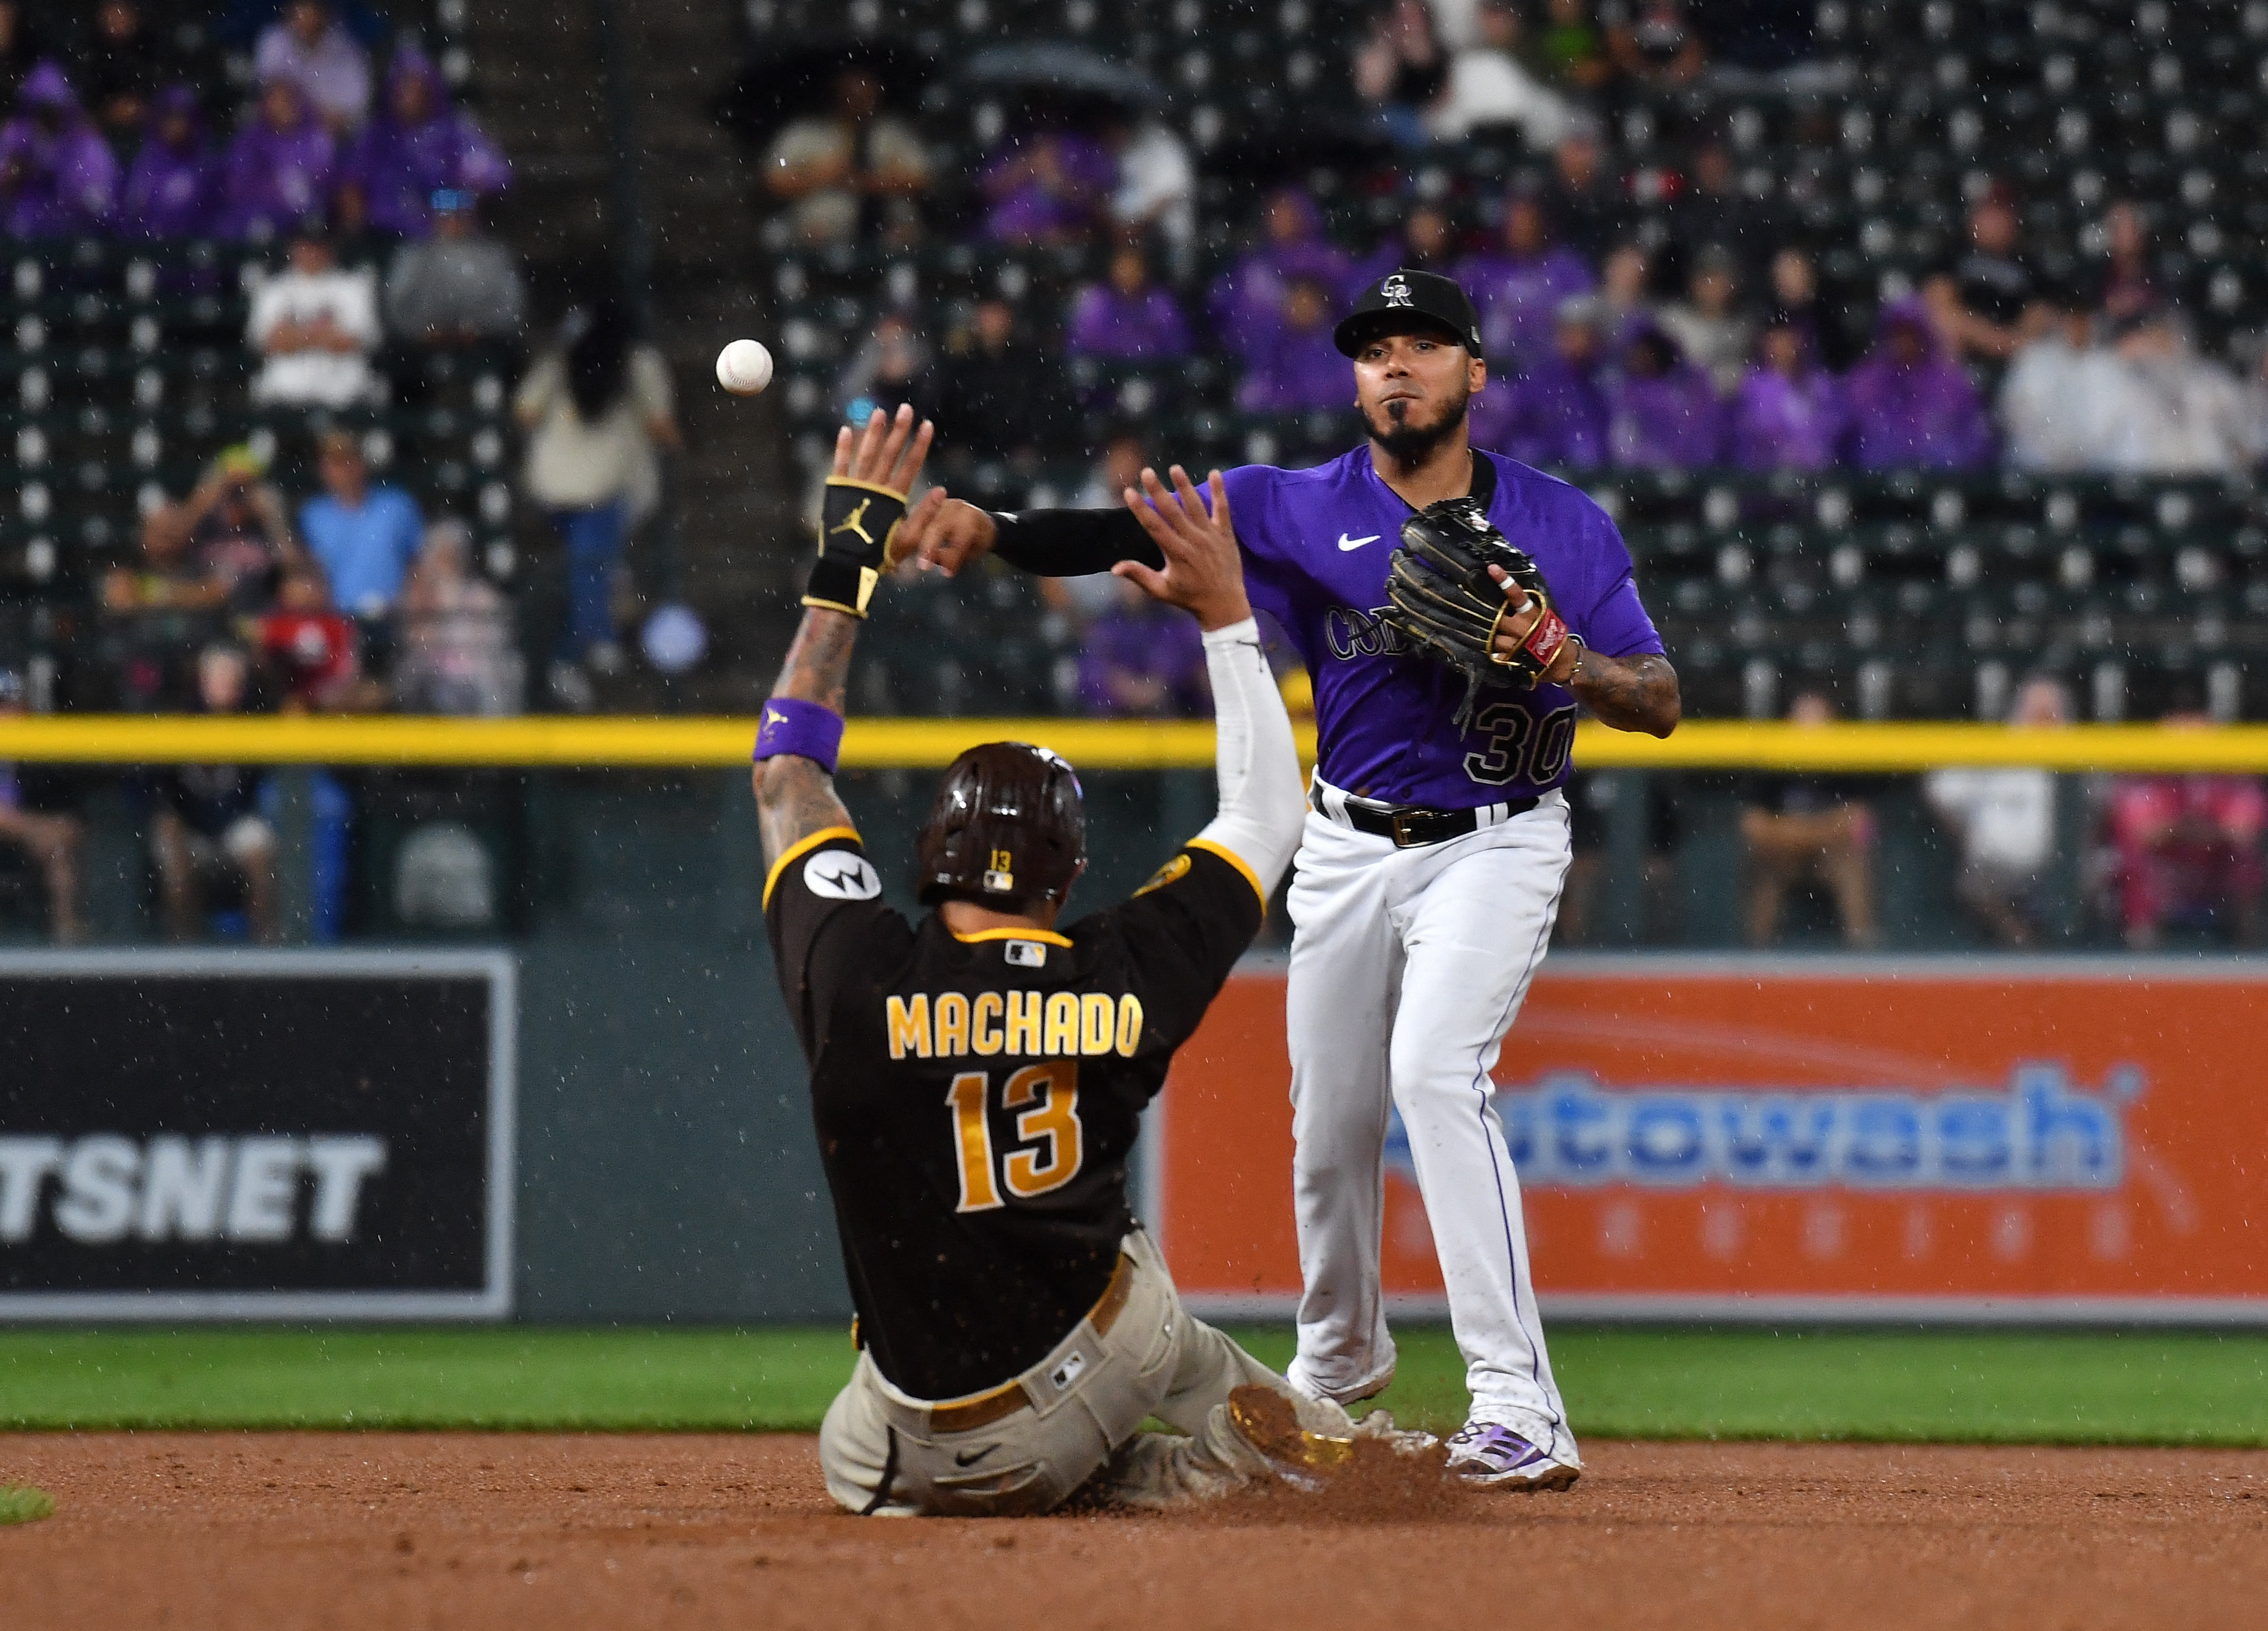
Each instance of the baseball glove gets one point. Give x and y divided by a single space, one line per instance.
1445 604
856 522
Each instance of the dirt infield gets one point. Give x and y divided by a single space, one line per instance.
386 1530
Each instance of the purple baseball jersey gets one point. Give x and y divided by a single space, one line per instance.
1317 545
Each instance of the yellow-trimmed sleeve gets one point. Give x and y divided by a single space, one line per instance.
802 847
1234 860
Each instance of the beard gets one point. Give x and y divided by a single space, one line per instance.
1406 438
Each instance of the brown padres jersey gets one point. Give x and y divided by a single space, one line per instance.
976 1098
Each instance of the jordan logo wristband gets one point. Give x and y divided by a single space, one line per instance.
806 730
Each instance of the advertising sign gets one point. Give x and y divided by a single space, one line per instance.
2027 1139
255 1134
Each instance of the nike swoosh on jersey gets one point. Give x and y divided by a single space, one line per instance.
1356 543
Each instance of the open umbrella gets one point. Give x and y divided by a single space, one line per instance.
1058 71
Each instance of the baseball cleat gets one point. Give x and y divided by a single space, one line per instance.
1492 1456
1269 1423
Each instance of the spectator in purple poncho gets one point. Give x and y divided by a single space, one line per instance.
1910 403
280 168
57 178
1556 414
1129 318
312 49
1520 284
1790 413
1048 187
417 143
1141 661
1662 412
1301 369
173 189
1247 300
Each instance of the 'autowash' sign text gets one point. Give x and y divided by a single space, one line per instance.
1955 1137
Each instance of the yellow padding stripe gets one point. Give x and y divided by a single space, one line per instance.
1234 860
865 487
1048 935
625 743
801 846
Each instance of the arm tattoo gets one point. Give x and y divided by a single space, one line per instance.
794 797
1631 694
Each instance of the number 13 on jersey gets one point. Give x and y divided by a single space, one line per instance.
1045 1098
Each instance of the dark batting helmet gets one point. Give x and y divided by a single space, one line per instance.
1008 826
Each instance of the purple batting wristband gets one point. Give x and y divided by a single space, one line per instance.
807 730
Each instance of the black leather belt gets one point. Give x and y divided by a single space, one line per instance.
1413 826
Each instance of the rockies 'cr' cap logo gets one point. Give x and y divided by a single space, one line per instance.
1394 291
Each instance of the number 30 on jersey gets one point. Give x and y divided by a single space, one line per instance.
1044 1099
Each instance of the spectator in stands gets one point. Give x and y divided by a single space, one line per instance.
2166 411
307 649
362 536
22 46
1625 291
2004 819
1790 413
239 533
458 654
1426 243
1796 303
1139 661
1049 185
2054 396
1247 300
458 287
1128 318
1521 285
2186 849
1571 50
1808 829
1399 69
119 70
1717 336
309 47
419 144
1910 403
58 176
886 369
1652 41
39 816
1005 398
1076 602
831 168
1584 201
207 825
159 610
1156 185
280 167
1663 412
314 326
1556 414
596 409
1978 299
1301 371
1490 85
2124 287
174 188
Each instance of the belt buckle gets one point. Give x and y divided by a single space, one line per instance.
1405 837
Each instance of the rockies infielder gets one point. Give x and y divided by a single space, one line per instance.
1429 873
977 1077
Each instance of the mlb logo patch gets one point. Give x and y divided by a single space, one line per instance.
1065 1374
1026 953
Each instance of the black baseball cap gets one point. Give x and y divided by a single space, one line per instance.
1403 297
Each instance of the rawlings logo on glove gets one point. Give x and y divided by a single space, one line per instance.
1445 604
857 521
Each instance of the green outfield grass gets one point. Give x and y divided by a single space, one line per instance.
2001 1387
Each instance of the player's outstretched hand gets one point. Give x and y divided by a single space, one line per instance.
945 535
1203 572
888 452
1515 627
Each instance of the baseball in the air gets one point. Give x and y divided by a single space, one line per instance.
744 367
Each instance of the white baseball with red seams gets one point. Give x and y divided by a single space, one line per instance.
744 367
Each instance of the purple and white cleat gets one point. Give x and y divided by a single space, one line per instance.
1492 1455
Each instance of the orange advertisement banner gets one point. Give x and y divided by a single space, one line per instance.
1770 1137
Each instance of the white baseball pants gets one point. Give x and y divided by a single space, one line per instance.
1408 968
